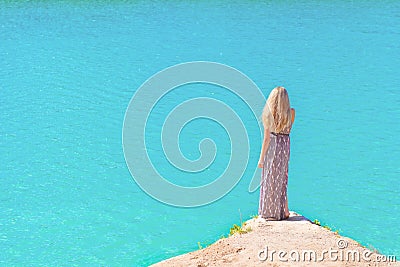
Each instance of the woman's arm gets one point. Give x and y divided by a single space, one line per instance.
293 114
264 148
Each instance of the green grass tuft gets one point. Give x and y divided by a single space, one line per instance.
327 227
316 222
239 229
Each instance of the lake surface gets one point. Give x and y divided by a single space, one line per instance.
69 69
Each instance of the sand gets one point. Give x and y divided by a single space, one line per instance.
296 239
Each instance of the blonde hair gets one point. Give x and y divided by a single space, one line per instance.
276 115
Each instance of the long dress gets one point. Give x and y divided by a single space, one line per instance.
274 179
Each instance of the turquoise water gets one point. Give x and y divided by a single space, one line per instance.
68 71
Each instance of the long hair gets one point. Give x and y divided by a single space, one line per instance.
276 115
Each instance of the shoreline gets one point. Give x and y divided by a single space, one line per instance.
294 241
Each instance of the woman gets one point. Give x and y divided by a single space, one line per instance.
277 118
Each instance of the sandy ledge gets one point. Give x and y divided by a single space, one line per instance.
297 236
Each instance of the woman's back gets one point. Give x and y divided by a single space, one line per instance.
286 130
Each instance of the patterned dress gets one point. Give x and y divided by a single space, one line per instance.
274 179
